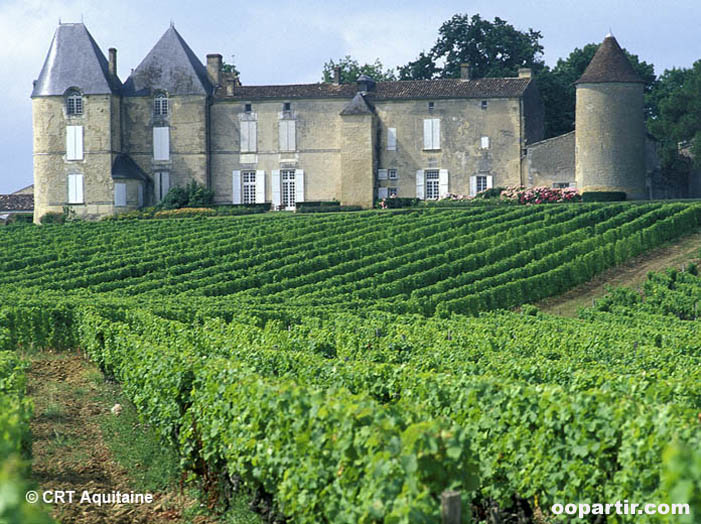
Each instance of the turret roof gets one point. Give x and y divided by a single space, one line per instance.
170 66
357 106
610 64
75 60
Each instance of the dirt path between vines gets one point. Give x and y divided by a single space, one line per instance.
633 273
68 446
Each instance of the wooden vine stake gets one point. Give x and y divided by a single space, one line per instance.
451 507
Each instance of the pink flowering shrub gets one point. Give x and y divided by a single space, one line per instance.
540 195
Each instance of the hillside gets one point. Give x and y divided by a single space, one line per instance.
321 363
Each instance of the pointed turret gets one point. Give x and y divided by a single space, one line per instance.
171 66
610 64
610 125
75 60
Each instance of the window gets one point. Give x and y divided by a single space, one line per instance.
561 185
162 184
382 174
432 184
120 194
392 139
484 104
75 189
382 193
484 142
432 133
286 106
287 135
74 142
248 136
481 183
392 174
288 188
392 191
247 108
249 186
430 107
74 103
161 144
160 105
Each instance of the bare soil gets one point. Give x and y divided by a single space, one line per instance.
632 274
69 450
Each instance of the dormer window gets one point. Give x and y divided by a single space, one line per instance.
430 107
160 105
74 103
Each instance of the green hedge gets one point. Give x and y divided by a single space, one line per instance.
603 196
326 209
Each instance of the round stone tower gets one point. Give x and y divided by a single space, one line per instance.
609 125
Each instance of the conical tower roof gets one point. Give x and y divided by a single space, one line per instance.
610 64
75 60
170 66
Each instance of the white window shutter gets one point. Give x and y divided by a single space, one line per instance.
436 131
244 136
252 135
74 143
473 185
392 139
161 143
282 138
443 187
260 187
163 181
275 189
70 145
420 186
484 143
299 185
71 189
490 180
382 174
428 134
292 134
79 186
120 194
140 195
236 187
381 192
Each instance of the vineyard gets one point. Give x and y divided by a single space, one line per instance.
353 367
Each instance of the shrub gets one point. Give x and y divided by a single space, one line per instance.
185 212
603 196
52 217
540 195
395 202
241 209
326 209
192 195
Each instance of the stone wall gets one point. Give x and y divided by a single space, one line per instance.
610 139
551 161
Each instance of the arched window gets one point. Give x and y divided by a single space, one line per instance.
160 105
74 103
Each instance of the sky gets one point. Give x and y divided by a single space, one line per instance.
288 42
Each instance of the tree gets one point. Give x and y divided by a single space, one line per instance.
351 70
230 68
678 118
557 87
490 48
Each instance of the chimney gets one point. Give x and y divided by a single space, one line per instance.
524 72
337 75
214 68
464 71
113 61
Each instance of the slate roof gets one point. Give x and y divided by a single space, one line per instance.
610 64
357 106
75 60
125 167
398 90
16 203
170 66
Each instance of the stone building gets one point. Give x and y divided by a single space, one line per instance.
102 146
